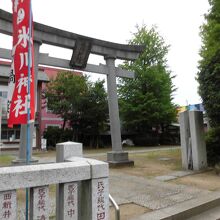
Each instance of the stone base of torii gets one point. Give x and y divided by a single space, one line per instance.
116 159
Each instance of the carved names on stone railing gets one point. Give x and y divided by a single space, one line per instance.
8 205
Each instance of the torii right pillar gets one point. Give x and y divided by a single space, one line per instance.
117 157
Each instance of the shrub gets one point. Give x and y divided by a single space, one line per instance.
146 140
213 146
55 135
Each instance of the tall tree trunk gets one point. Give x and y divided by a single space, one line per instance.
97 141
64 124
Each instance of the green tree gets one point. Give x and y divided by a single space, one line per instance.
79 102
96 116
209 66
209 78
146 100
65 95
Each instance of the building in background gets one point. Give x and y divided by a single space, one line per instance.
10 137
198 107
48 119
195 107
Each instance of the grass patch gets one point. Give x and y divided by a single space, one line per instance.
149 165
87 150
21 196
157 154
49 153
5 160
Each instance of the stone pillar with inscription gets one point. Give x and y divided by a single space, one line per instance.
185 139
117 157
8 206
70 205
199 154
87 199
94 193
39 203
100 199
67 194
193 147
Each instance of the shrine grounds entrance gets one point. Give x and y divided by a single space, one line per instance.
82 47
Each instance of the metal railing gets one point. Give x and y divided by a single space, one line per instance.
116 207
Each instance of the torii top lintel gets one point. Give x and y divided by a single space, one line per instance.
82 45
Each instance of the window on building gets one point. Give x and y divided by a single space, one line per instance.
53 125
4 135
8 133
48 106
4 95
17 134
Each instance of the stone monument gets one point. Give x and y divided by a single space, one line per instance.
193 147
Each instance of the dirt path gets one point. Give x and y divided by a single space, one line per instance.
207 180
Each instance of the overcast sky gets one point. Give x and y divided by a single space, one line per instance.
178 22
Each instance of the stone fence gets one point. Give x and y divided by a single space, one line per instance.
82 187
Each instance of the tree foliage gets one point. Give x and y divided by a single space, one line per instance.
209 78
93 115
210 33
79 102
146 100
209 66
66 94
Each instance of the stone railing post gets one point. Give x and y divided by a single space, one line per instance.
68 149
93 194
63 191
39 202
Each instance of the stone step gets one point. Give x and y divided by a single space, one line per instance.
211 214
187 209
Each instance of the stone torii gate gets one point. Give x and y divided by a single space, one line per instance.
82 47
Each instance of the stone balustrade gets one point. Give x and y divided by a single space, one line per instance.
82 187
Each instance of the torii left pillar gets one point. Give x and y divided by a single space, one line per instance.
117 157
23 135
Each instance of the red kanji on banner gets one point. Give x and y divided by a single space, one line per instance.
18 98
